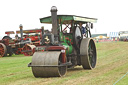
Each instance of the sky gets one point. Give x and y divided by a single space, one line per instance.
112 15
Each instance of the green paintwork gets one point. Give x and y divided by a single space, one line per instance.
67 18
66 42
66 39
68 48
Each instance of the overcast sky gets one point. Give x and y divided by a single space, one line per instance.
112 15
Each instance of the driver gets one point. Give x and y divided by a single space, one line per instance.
82 29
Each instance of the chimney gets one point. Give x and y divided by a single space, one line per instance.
54 19
21 31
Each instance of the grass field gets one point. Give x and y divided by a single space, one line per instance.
112 64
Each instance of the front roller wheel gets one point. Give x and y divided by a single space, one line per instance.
88 53
28 50
3 50
46 64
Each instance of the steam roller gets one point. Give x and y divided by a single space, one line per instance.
60 50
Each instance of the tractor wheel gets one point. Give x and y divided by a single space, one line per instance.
88 53
77 36
46 64
28 50
3 50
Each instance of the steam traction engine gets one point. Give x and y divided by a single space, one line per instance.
20 45
8 46
34 38
61 49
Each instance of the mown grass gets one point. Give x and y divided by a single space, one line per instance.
111 66
14 68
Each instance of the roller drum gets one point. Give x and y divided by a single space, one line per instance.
46 64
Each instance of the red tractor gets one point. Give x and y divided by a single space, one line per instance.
34 36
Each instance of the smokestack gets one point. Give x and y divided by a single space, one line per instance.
42 30
21 31
54 19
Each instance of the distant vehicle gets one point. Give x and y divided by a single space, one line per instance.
20 45
123 35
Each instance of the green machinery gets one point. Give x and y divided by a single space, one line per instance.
64 46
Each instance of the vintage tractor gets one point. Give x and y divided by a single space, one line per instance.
20 45
8 46
63 49
34 36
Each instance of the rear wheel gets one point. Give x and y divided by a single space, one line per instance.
88 53
3 50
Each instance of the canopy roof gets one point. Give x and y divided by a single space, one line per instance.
9 32
68 18
30 31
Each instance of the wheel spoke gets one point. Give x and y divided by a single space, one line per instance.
91 54
89 60
2 49
28 48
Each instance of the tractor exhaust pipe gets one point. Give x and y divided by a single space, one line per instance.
21 31
54 19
